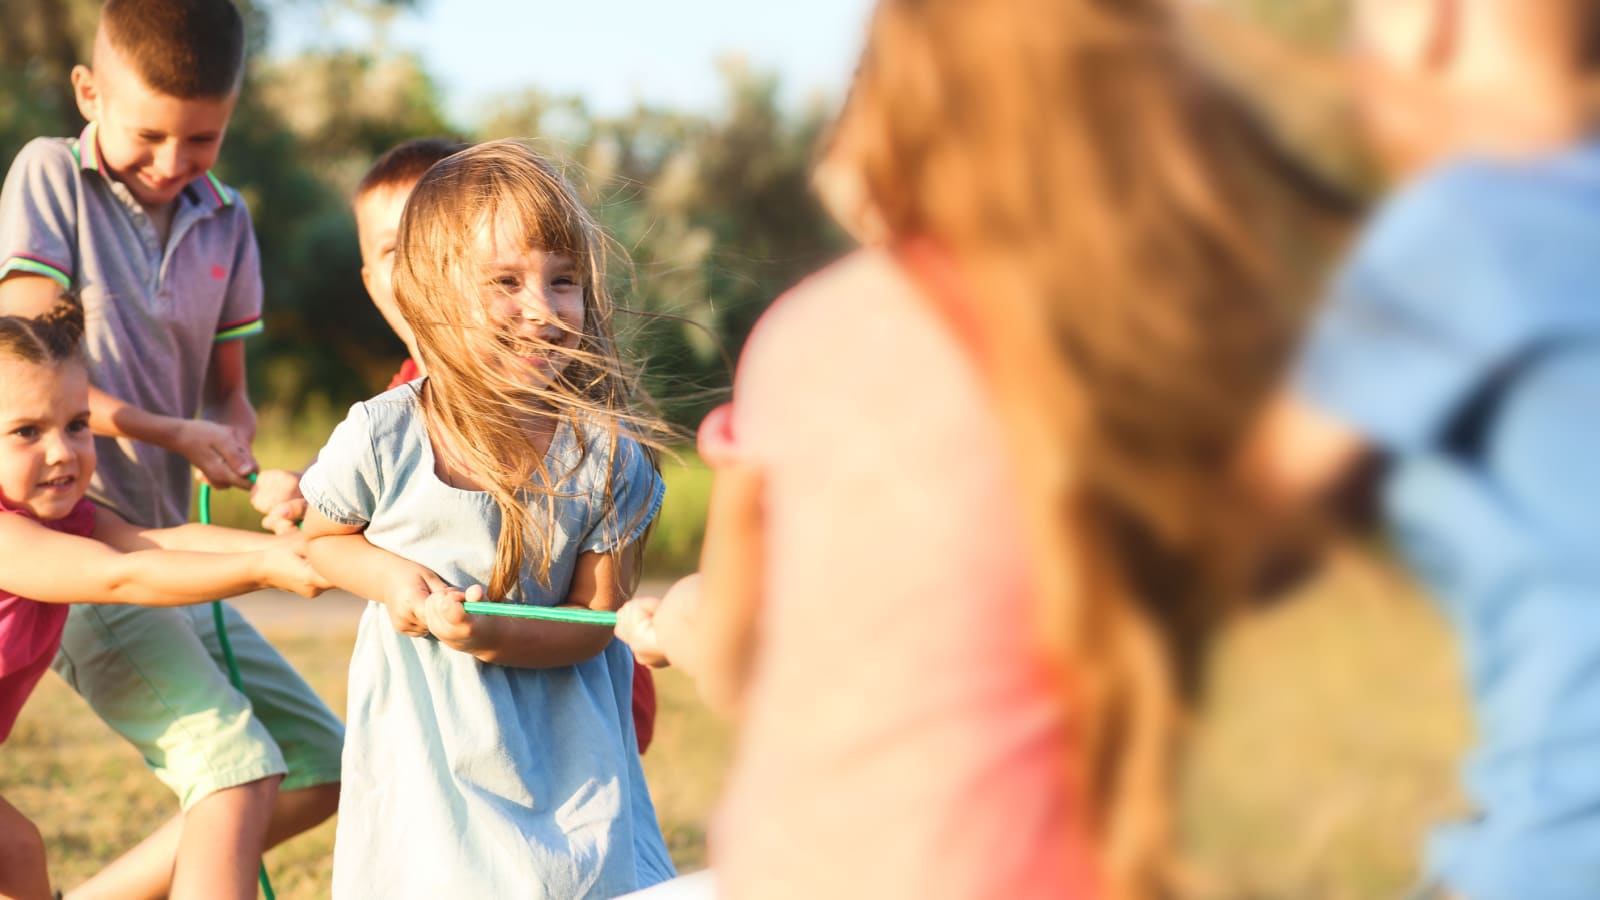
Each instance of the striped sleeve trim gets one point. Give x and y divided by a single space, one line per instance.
243 328
35 265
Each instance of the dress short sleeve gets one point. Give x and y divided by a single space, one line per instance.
637 492
344 483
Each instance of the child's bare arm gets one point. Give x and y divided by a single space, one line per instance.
192 537
227 398
1297 458
706 623
729 597
52 567
599 581
1307 477
227 404
347 559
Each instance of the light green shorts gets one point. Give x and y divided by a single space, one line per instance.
158 677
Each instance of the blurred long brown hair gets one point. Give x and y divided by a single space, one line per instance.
1124 233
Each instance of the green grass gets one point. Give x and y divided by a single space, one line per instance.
1327 746
92 798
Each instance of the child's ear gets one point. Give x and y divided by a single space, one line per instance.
86 93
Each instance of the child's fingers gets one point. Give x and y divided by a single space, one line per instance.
431 583
273 488
448 620
285 517
405 623
635 619
216 471
445 606
221 454
636 627
241 462
408 614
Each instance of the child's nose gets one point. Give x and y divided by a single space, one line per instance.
535 306
57 450
168 159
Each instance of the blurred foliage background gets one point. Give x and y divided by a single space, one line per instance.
713 208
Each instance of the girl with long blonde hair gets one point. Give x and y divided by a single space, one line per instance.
486 755
995 524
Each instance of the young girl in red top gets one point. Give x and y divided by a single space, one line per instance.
57 548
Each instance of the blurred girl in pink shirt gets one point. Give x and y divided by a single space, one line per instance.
968 536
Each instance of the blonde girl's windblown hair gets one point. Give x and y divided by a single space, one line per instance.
479 409
1111 214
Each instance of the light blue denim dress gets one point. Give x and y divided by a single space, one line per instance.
464 779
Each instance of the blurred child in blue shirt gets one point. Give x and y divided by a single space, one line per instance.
1462 344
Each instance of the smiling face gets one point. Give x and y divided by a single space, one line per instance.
152 142
534 303
46 451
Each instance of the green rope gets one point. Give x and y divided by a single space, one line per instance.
227 653
512 610
547 613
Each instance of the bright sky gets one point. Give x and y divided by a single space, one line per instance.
610 52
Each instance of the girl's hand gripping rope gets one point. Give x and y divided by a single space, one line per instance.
457 629
406 598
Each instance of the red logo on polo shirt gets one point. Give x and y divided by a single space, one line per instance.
219 273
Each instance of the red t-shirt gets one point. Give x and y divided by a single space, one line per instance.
644 683
30 632
408 372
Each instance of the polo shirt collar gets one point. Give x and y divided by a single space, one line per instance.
207 190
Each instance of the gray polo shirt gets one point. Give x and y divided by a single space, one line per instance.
153 314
